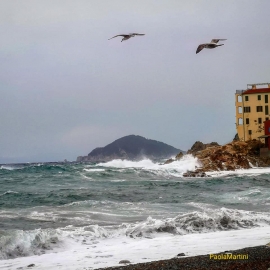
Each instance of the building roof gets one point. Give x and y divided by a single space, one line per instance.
256 91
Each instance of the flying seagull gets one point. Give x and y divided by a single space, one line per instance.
213 44
126 37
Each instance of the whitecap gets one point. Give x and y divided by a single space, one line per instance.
205 221
9 192
94 170
176 168
9 168
21 243
241 172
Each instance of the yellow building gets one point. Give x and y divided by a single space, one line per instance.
252 109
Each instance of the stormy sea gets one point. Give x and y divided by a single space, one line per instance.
89 216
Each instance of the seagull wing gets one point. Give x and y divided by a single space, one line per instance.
119 36
215 40
137 34
200 47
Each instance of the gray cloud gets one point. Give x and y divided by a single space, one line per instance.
66 89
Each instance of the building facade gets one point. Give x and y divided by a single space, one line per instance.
266 135
252 109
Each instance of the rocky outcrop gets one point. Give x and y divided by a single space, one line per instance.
228 157
199 146
232 156
177 157
131 147
196 173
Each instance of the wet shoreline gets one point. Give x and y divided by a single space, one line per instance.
257 258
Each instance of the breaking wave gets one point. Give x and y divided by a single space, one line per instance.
188 162
20 243
200 222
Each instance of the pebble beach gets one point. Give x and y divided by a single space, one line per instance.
258 259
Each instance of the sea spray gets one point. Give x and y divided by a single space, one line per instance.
19 243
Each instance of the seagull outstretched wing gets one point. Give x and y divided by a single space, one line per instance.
215 40
136 34
119 36
200 47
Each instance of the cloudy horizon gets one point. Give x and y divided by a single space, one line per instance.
66 89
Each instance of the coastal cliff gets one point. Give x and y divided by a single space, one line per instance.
228 157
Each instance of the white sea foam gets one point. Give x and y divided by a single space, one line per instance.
249 172
94 170
176 168
21 243
108 252
118 163
198 232
26 243
6 167
85 177
9 192
202 222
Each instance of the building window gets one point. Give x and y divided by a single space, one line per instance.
240 110
259 120
259 108
266 118
240 121
249 132
239 98
266 98
266 109
246 98
246 109
247 121
259 97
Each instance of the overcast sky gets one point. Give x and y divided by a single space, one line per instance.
66 89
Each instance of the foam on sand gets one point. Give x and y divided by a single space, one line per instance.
109 252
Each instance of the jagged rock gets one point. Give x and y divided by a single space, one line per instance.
199 146
229 157
232 156
179 156
197 173
169 161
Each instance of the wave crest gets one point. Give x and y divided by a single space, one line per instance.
26 243
199 222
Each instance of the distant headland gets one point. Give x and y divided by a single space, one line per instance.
131 147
